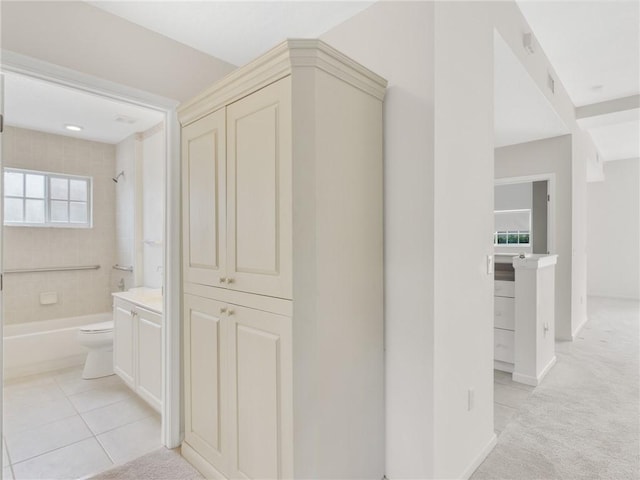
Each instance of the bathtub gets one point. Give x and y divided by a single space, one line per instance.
38 347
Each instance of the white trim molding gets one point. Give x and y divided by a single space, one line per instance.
278 63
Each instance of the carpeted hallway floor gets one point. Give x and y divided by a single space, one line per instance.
583 421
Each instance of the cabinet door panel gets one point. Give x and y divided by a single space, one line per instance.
204 379
123 341
150 357
259 184
204 203
260 388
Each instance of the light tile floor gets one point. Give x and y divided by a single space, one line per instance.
507 397
59 426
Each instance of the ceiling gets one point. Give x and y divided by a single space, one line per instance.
594 47
589 43
235 31
47 107
522 112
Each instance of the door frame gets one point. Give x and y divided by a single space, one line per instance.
550 178
171 430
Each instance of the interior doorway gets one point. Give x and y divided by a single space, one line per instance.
164 244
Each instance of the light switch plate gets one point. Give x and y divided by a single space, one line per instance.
489 264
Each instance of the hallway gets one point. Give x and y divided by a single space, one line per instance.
583 421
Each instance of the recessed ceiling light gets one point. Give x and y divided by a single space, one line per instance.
73 128
597 88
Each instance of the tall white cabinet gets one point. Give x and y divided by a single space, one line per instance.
283 280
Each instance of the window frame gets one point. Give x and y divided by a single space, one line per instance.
48 223
508 233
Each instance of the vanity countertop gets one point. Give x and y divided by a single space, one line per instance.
149 298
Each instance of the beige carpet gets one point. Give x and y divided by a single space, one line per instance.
583 421
161 464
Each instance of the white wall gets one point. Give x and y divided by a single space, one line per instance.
152 186
125 210
79 292
84 38
513 197
613 235
464 221
553 155
431 99
395 40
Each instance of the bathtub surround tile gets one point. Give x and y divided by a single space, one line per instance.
133 440
117 414
73 461
99 397
31 443
25 247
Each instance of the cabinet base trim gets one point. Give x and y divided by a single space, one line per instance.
199 463
531 380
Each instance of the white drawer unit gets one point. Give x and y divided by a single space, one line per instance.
503 342
503 288
504 313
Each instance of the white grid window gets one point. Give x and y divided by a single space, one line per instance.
42 199
512 228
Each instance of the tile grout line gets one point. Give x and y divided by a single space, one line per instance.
95 437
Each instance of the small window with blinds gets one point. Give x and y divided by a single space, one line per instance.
512 228
45 199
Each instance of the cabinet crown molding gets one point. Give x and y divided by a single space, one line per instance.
278 63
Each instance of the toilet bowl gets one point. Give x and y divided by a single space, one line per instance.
98 338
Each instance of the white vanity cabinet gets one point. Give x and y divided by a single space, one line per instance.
137 349
282 260
123 341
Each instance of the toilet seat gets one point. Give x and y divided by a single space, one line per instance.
101 327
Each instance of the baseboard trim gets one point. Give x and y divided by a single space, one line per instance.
534 381
486 450
199 463
576 332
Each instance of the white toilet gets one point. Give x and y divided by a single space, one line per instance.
98 338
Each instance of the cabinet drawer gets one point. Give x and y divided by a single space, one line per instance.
502 288
503 341
504 313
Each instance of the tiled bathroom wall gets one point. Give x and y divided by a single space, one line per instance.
79 292
140 208
153 157
127 152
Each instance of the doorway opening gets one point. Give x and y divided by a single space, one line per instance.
64 257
